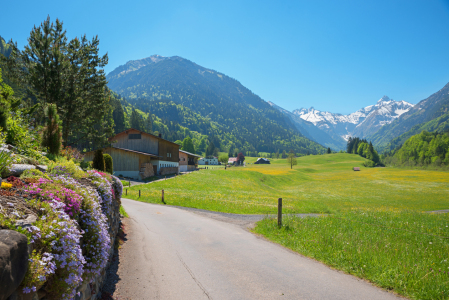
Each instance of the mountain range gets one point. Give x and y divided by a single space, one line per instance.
213 104
338 128
209 102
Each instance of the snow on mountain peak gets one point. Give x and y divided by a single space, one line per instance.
384 111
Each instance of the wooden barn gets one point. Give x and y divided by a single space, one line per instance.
137 154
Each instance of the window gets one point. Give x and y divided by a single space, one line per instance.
168 154
134 136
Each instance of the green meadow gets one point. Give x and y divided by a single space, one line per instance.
318 184
375 223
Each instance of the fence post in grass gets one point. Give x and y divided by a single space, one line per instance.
129 183
163 197
280 212
139 193
126 192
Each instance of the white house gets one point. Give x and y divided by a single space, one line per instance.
208 161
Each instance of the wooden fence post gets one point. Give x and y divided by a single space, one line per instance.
139 193
129 183
126 192
163 197
280 212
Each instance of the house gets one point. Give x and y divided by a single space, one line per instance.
356 169
262 160
232 160
137 154
187 161
211 160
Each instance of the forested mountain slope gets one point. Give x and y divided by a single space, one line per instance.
210 102
426 110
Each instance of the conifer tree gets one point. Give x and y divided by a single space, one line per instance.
51 138
98 161
108 164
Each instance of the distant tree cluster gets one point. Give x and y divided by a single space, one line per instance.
364 149
421 150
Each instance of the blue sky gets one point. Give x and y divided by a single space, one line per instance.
334 55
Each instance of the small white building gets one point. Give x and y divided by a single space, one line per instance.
208 161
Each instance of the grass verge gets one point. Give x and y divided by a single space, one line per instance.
123 212
406 252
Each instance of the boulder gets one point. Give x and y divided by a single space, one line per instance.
13 261
17 169
42 168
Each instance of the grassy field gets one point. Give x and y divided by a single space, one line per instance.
318 184
377 228
406 252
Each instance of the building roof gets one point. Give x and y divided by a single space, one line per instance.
142 132
232 159
134 151
188 153
138 152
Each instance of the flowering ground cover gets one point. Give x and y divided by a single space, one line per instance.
70 237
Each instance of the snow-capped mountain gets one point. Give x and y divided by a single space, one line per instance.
361 123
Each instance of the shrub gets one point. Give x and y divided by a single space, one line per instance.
66 167
51 137
33 173
108 163
21 134
5 160
72 153
98 161
369 163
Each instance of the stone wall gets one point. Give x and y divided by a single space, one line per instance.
14 251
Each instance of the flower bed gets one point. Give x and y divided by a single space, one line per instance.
72 214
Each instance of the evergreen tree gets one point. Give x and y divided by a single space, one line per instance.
329 150
149 124
284 154
98 161
136 121
118 115
70 75
51 138
108 164
210 149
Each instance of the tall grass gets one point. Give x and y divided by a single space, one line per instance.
407 252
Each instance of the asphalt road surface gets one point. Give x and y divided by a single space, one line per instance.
172 253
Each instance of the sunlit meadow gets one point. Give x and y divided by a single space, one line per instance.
375 222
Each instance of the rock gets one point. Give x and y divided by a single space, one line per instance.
13 261
42 168
17 169
24 223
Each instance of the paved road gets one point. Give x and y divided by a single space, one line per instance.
173 253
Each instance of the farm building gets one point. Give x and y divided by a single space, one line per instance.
137 154
187 161
208 161
262 160
232 160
